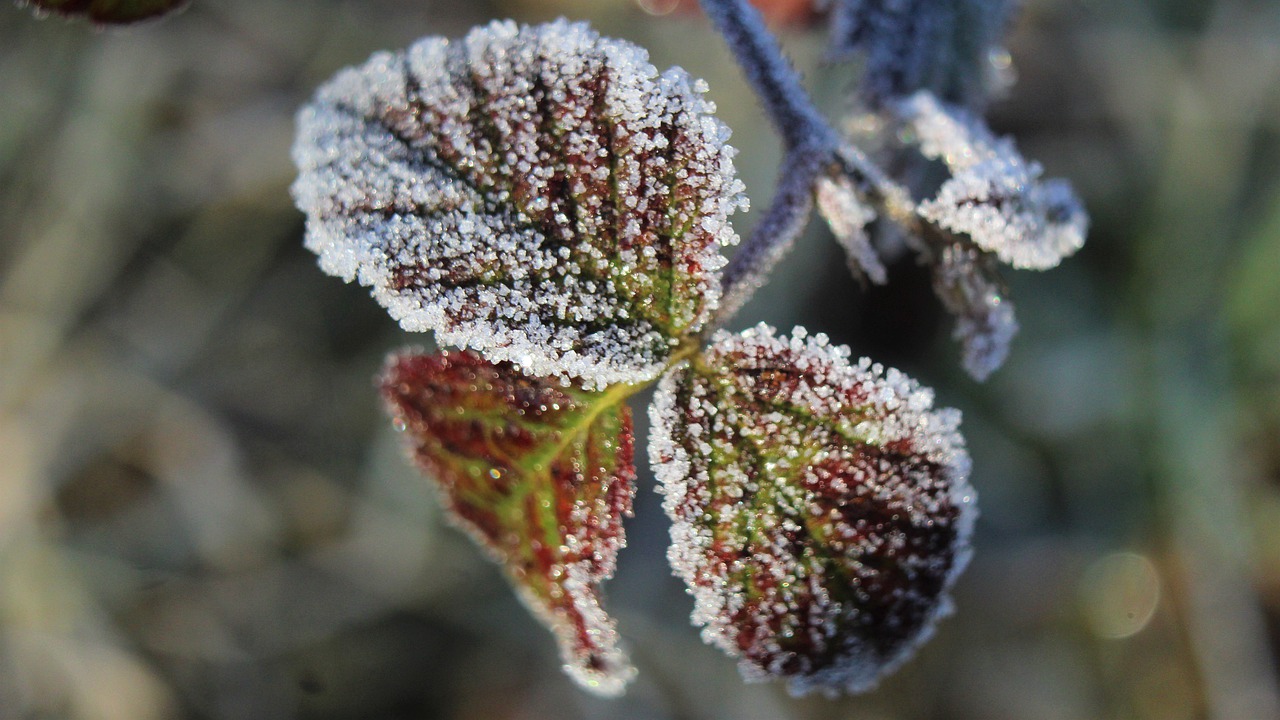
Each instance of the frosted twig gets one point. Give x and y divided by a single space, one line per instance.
774 80
812 148
774 233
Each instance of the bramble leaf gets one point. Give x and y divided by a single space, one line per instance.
994 195
108 11
537 193
540 475
821 510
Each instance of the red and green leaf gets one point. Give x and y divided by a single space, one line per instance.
540 194
820 509
109 11
541 475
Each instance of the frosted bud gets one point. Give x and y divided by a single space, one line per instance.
848 216
994 196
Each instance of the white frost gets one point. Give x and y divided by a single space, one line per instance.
709 481
994 195
501 191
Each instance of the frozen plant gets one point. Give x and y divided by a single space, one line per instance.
546 201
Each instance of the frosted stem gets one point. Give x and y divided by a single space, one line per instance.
774 80
812 147
774 234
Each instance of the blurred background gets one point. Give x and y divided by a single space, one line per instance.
203 513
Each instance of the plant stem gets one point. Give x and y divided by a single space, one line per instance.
774 233
812 148
774 80
810 145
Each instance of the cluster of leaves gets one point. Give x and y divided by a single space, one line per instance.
973 202
544 198
547 199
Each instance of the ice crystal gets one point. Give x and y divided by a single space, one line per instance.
540 475
994 195
537 193
107 11
848 216
821 509
946 46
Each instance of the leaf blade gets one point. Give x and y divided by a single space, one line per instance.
540 475
538 193
820 510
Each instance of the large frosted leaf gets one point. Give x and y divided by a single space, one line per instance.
820 509
540 475
108 11
540 194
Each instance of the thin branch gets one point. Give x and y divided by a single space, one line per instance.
774 80
812 146
774 234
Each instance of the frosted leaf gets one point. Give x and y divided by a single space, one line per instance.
540 475
107 11
820 508
971 291
848 216
994 196
946 46
537 193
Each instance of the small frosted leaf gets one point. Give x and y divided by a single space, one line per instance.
820 509
107 11
848 216
540 475
971 291
540 194
951 47
994 195
1027 224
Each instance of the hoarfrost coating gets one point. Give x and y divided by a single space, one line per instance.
994 195
821 509
537 193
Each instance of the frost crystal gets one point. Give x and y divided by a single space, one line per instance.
821 509
946 46
540 194
540 475
994 196
847 216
